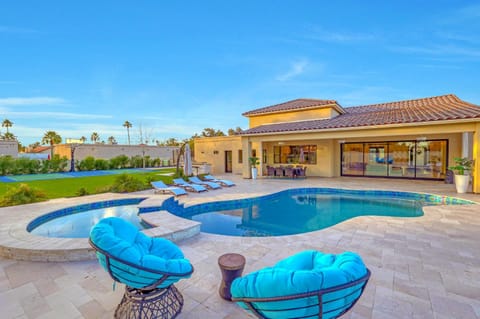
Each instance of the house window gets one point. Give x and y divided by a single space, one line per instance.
240 156
295 154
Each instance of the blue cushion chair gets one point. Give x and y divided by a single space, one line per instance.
309 284
147 266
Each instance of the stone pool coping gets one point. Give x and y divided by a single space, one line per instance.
17 243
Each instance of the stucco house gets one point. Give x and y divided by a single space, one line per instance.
412 139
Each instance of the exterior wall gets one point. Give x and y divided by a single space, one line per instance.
325 112
211 150
9 148
109 151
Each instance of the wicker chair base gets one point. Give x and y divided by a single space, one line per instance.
158 303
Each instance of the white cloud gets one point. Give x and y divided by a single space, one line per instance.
296 69
9 29
54 115
339 37
438 50
27 101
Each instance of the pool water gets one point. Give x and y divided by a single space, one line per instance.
298 211
301 213
76 222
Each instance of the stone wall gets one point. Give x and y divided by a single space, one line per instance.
9 148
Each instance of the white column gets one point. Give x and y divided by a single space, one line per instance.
260 156
247 152
467 144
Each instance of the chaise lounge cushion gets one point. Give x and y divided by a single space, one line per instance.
125 242
306 271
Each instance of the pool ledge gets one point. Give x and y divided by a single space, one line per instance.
17 243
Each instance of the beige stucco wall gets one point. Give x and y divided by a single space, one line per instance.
292 116
212 150
109 151
9 148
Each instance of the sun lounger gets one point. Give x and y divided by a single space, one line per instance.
161 187
180 182
208 184
223 182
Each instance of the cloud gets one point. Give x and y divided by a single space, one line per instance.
296 69
439 50
53 115
27 101
339 37
9 29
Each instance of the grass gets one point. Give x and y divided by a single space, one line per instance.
68 187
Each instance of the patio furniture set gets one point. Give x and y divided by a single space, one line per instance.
289 171
194 184
309 284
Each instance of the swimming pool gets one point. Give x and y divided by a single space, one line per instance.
297 211
76 221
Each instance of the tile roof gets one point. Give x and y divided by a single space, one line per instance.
437 108
291 105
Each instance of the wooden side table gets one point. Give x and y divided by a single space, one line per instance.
231 266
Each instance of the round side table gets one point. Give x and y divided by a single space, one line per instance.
231 266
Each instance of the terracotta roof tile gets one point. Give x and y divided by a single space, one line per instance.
290 105
438 108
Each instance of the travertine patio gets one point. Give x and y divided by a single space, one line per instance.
426 267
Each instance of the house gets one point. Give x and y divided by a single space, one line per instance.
411 139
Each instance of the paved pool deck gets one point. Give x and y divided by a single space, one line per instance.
425 267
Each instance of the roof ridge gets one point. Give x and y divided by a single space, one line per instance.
450 95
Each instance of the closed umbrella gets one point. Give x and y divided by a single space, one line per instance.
187 161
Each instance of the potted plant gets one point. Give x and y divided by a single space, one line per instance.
253 164
462 170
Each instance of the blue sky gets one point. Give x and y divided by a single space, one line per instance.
176 67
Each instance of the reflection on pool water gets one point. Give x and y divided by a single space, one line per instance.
76 222
303 210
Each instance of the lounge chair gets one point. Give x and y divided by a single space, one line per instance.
223 182
161 187
149 268
309 284
180 182
208 184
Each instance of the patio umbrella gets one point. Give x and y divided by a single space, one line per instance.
187 161
302 156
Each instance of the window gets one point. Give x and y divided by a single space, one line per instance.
240 156
295 154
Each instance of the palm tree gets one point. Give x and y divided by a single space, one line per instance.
9 136
83 139
128 125
6 123
51 137
95 137
112 140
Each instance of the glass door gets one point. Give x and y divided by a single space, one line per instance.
228 162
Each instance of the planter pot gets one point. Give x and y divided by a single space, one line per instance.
254 172
461 183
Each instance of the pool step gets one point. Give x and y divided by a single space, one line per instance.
169 226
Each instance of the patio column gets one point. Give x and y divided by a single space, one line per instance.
260 156
247 152
476 157
467 138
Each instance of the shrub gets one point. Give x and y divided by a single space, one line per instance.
7 164
120 161
82 192
136 161
126 183
22 194
101 164
87 164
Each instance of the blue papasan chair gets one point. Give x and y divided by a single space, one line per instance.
309 284
147 266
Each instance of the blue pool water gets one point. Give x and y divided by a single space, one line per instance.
76 222
302 210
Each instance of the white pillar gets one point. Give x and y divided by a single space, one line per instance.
467 144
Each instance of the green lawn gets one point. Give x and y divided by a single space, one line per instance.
68 187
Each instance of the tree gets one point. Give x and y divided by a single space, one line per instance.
51 137
6 123
209 132
232 131
112 140
95 137
9 136
128 125
83 139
